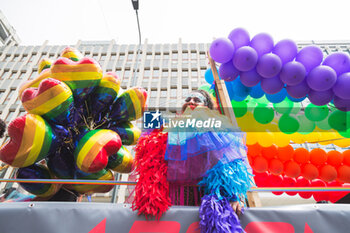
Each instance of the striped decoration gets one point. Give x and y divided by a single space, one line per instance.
35 82
128 133
72 54
104 174
129 105
44 64
82 77
53 100
94 148
37 171
121 162
31 139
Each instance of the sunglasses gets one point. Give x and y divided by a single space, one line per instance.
195 99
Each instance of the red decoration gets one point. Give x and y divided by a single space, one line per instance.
289 182
261 179
344 174
301 155
302 182
346 157
275 166
276 181
334 158
260 164
254 150
285 153
319 196
328 173
318 156
309 171
269 152
292 169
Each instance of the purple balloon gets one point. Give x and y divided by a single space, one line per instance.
341 104
245 58
320 98
271 85
228 72
286 50
239 37
298 91
222 50
262 43
250 78
339 61
269 65
321 78
292 73
310 56
342 86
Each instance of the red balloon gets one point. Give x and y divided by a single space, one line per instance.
269 152
346 157
285 153
289 182
261 179
292 169
318 156
302 182
301 155
344 174
309 171
328 173
276 181
335 196
260 164
276 166
254 150
334 158
319 196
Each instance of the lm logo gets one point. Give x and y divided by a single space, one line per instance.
152 120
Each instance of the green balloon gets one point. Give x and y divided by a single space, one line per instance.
262 100
316 113
323 124
345 134
306 126
296 107
283 107
288 124
263 114
339 121
239 108
205 87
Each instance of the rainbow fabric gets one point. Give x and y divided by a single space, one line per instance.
53 100
129 105
121 162
31 138
92 152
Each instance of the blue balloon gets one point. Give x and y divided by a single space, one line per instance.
295 99
278 97
208 76
256 92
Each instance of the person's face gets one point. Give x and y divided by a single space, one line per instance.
193 101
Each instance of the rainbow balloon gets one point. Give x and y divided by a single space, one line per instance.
53 100
82 77
31 139
128 133
72 54
121 162
94 148
130 105
37 171
35 82
44 64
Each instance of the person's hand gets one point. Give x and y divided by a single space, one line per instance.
236 206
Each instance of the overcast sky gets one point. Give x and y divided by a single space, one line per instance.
64 22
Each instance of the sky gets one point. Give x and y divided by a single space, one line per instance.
64 22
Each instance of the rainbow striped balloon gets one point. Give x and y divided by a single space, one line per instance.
94 148
31 139
37 171
105 93
72 54
104 174
44 64
121 162
35 82
130 105
53 100
82 77
128 133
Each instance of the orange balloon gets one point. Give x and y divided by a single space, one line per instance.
292 169
285 153
269 152
301 155
260 164
344 174
328 173
254 150
334 158
346 157
309 171
318 156
276 166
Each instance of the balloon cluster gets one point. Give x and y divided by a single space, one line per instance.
280 70
78 121
266 179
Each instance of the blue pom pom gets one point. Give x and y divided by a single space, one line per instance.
230 180
218 216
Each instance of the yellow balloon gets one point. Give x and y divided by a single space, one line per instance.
297 138
251 138
281 139
343 142
265 139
